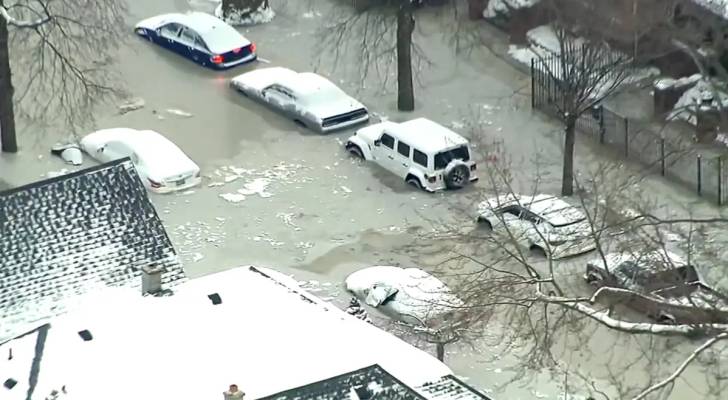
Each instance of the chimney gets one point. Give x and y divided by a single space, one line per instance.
152 279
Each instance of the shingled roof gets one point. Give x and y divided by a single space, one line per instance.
451 388
371 382
72 234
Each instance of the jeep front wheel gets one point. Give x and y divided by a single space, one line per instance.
355 151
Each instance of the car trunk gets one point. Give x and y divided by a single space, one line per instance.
237 54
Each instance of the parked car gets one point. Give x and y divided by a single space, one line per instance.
161 165
201 37
543 223
311 100
409 295
663 286
423 153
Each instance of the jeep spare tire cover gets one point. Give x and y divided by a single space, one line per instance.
457 174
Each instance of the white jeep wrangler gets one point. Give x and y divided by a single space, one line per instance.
425 154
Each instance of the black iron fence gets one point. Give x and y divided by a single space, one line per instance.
705 173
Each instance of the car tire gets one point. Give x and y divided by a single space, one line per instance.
457 175
537 251
415 182
594 279
484 224
666 319
355 151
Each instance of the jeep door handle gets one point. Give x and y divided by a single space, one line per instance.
391 157
405 164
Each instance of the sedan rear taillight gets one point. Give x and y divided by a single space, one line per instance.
154 183
217 59
252 47
432 179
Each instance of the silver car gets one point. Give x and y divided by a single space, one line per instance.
309 99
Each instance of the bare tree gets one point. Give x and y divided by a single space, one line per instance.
60 52
542 301
584 70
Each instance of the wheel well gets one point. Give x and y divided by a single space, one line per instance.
536 248
412 176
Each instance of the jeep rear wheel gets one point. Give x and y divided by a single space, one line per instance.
415 182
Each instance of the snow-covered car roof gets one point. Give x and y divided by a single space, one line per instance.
147 144
425 135
219 36
649 261
552 208
264 77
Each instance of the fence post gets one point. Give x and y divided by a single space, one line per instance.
700 180
626 137
533 86
662 156
720 180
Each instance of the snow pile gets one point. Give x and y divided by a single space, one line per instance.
544 44
687 106
143 347
246 16
669 83
497 7
258 181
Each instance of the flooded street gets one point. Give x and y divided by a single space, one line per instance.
279 196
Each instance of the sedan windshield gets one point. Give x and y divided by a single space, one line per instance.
442 159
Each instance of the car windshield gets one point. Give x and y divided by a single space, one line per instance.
442 159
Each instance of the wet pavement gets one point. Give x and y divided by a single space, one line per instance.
306 207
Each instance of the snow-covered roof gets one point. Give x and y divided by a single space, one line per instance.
218 35
425 135
554 209
68 235
718 7
266 335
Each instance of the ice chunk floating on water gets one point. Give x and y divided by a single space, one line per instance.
233 197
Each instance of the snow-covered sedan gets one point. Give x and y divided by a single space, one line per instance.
161 165
409 295
542 223
309 99
201 37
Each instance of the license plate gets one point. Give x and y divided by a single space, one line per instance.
180 182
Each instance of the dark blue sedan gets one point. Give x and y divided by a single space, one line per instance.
201 37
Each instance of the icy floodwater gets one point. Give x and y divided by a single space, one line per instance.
276 195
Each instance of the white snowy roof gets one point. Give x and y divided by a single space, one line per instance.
425 135
719 7
267 335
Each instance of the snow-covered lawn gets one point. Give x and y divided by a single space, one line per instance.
267 335
544 44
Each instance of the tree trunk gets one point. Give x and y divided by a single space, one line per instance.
405 27
235 7
567 178
441 352
7 113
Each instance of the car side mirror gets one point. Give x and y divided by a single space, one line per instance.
377 142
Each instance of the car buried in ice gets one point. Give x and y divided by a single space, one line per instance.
659 284
310 100
544 224
161 165
408 295
201 37
423 153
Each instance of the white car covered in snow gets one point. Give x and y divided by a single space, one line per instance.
309 99
409 295
542 223
161 165
423 153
